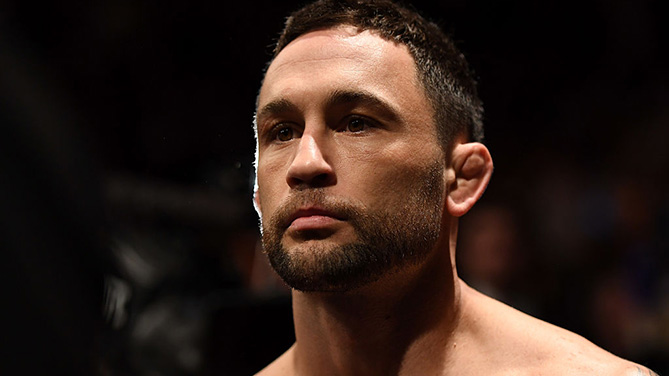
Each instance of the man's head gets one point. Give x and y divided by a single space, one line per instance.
353 178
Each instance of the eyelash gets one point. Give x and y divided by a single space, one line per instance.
349 119
275 130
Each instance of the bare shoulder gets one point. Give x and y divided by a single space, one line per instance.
522 344
637 370
281 366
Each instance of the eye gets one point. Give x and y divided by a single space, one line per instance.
284 134
357 124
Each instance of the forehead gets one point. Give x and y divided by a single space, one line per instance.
343 58
343 42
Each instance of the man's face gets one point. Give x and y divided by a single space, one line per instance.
350 171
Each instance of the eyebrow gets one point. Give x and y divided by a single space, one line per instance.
276 107
336 98
341 97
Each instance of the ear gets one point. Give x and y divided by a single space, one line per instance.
471 171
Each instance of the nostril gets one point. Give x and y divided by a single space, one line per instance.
314 181
323 180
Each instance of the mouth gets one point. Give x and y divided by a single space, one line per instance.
312 218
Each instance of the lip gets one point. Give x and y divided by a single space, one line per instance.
312 218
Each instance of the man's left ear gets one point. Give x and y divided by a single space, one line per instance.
472 167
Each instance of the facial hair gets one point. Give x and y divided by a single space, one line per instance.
400 235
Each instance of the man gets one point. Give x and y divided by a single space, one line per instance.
368 127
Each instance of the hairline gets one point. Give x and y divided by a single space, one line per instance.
420 75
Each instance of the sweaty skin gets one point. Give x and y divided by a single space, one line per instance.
418 319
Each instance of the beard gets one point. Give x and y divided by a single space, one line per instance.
400 235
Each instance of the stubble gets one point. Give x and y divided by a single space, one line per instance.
400 235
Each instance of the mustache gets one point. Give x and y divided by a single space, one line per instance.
314 198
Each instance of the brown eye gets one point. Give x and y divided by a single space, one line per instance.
285 134
356 125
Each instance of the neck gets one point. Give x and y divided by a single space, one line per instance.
400 325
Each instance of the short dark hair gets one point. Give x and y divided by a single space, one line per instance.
442 69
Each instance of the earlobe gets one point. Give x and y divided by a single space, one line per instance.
472 167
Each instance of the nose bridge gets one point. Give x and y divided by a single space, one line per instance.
309 149
311 164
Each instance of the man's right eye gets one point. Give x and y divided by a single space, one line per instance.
284 134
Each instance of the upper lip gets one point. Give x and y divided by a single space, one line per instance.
312 211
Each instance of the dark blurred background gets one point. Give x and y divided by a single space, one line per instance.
129 243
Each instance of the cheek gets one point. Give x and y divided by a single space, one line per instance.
271 182
389 174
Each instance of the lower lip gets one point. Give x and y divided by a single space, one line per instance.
313 222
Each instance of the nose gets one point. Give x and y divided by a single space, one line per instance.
310 167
